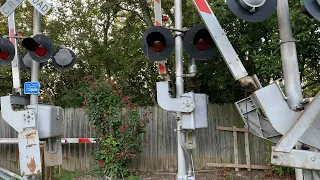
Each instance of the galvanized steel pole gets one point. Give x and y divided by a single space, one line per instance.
35 65
182 175
289 63
289 57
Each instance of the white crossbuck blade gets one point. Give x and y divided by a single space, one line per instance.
9 6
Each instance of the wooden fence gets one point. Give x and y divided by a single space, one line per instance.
160 153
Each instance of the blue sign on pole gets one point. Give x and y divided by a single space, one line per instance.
31 87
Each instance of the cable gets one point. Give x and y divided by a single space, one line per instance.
194 174
190 160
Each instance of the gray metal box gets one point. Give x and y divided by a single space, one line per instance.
49 120
199 117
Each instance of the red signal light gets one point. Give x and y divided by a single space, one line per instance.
156 41
157 46
202 40
203 44
3 55
40 51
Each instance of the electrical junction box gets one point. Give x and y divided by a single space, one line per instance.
49 120
198 118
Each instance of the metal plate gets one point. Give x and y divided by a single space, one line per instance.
313 8
166 52
9 6
63 59
263 13
41 5
29 151
26 61
53 158
188 43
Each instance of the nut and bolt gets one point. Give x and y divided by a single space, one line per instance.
275 156
313 158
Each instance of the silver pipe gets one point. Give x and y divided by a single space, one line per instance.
289 63
35 65
289 57
192 68
179 87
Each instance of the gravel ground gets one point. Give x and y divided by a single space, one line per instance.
217 174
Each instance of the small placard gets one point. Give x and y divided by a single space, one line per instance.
31 87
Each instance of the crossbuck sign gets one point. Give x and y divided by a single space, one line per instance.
10 5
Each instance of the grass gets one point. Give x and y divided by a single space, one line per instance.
66 175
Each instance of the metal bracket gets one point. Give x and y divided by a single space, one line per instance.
301 125
183 104
297 159
8 114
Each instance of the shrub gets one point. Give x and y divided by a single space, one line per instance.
118 127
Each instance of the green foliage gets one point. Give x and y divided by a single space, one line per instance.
280 171
118 127
106 38
66 175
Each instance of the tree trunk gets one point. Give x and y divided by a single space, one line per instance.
146 12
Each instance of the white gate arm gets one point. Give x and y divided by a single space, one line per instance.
223 44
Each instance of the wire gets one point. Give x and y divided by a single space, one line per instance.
190 160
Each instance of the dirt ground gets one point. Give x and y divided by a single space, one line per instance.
217 174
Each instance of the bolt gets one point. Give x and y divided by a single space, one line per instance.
275 156
28 116
188 105
313 158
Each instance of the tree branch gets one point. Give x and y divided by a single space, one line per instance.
146 12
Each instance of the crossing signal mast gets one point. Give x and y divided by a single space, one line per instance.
288 120
37 121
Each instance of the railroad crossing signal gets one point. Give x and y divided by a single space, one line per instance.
157 43
7 51
253 10
39 46
198 43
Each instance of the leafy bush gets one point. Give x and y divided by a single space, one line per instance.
118 127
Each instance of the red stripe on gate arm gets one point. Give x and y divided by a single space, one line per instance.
203 6
12 34
158 24
84 140
161 69
158 1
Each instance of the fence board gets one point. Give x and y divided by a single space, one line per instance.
160 153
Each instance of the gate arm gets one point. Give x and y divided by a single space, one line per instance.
222 42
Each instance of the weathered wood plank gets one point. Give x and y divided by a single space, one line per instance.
246 141
160 153
235 149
